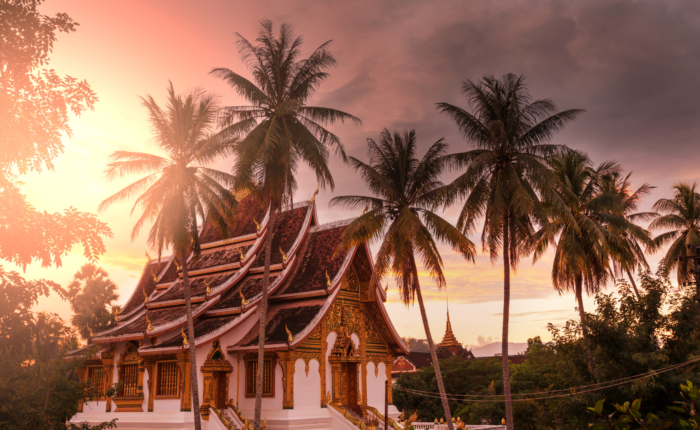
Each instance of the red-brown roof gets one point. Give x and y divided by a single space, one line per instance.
248 211
250 287
287 228
295 316
198 286
219 256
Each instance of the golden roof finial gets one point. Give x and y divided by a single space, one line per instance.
328 279
284 256
290 336
145 297
313 198
240 252
257 226
184 336
208 288
243 300
149 328
90 331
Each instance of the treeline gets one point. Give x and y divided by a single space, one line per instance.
629 335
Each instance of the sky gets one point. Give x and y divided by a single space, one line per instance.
631 64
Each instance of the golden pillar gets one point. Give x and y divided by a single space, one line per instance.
322 363
108 368
150 368
207 396
288 361
183 361
389 364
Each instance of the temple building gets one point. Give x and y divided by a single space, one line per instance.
448 347
329 343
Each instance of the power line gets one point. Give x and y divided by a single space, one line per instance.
501 398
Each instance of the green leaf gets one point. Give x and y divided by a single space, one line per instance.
599 406
623 408
636 404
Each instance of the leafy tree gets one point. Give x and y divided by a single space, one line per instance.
178 190
280 130
401 219
90 293
681 217
506 174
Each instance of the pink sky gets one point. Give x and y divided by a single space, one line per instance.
622 61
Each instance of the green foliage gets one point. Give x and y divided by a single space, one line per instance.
628 337
416 345
90 293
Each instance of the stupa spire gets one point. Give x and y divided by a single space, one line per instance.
449 339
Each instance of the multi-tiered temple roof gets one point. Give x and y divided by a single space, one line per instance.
226 285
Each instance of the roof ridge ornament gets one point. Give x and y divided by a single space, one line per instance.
243 300
328 279
208 287
290 336
240 252
145 297
184 336
257 226
284 256
313 198
149 328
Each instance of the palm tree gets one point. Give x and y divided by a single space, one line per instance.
632 235
681 217
505 175
583 233
401 217
279 131
90 293
178 191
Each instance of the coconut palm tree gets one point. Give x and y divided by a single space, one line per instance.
505 174
90 294
584 232
178 191
400 216
634 237
681 217
279 130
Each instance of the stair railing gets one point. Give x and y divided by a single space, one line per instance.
393 424
358 423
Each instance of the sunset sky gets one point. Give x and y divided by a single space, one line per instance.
631 64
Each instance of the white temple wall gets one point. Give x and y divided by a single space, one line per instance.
201 354
307 389
267 402
166 405
330 339
375 385
94 406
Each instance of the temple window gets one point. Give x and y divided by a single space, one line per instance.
251 373
96 380
167 379
129 377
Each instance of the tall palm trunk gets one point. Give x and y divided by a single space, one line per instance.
506 319
634 284
433 352
584 328
263 318
190 336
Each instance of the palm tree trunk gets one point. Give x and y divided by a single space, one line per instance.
263 318
433 352
634 284
584 328
190 337
506 319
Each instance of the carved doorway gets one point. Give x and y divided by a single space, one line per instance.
221 390
350 384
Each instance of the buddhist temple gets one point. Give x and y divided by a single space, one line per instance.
329 343
448 347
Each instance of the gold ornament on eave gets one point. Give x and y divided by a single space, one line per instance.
145 297
290 336
90 331
240 252
116 313
284 256
257 226
184 336
149 328
313 198
148 257
243 300
365 209
328 279
178 267
208 288
155 278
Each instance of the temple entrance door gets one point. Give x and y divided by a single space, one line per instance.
350 382
221 390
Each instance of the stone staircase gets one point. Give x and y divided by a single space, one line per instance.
357 413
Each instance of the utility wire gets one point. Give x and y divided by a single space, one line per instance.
598 387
